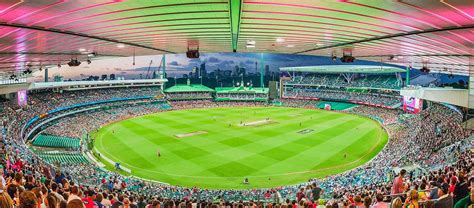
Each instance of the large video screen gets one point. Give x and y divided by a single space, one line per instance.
412 104
22 97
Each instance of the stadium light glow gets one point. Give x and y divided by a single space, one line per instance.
250 44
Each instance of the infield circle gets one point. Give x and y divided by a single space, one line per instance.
219 147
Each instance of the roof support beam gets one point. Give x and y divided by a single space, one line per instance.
235 12
388 37
65 32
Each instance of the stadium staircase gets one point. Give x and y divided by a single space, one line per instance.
56 142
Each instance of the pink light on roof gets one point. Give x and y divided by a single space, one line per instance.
397 13
146 22
459 10
76 10
315 22
335 10
8 8
430 12
325 17
141 16
38 10
133 9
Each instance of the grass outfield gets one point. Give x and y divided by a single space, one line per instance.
199 148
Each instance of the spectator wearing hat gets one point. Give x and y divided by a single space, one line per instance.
445 200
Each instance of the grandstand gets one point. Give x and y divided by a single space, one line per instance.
357 115
366 85
241 94
189 92
347 76
56 142
63 158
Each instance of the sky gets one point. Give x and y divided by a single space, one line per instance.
178 64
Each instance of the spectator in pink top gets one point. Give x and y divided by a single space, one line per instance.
397 187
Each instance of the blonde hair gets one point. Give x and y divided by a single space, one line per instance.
397 203
413 194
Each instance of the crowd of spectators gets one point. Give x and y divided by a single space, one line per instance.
386 116
336 80
343 95
177 105
298 103
242 96
188 95
431 145
94 120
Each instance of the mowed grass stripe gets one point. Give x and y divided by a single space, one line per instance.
148 154
301 159
270 155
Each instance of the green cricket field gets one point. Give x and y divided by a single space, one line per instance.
219 147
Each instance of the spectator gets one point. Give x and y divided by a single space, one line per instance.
467 201
445 200
89 201
316 192
74 193
379 202
28 200
5 199
75 203
397 186
397 203
411 200
52 201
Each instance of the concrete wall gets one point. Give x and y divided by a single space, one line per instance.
459 97
13 88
